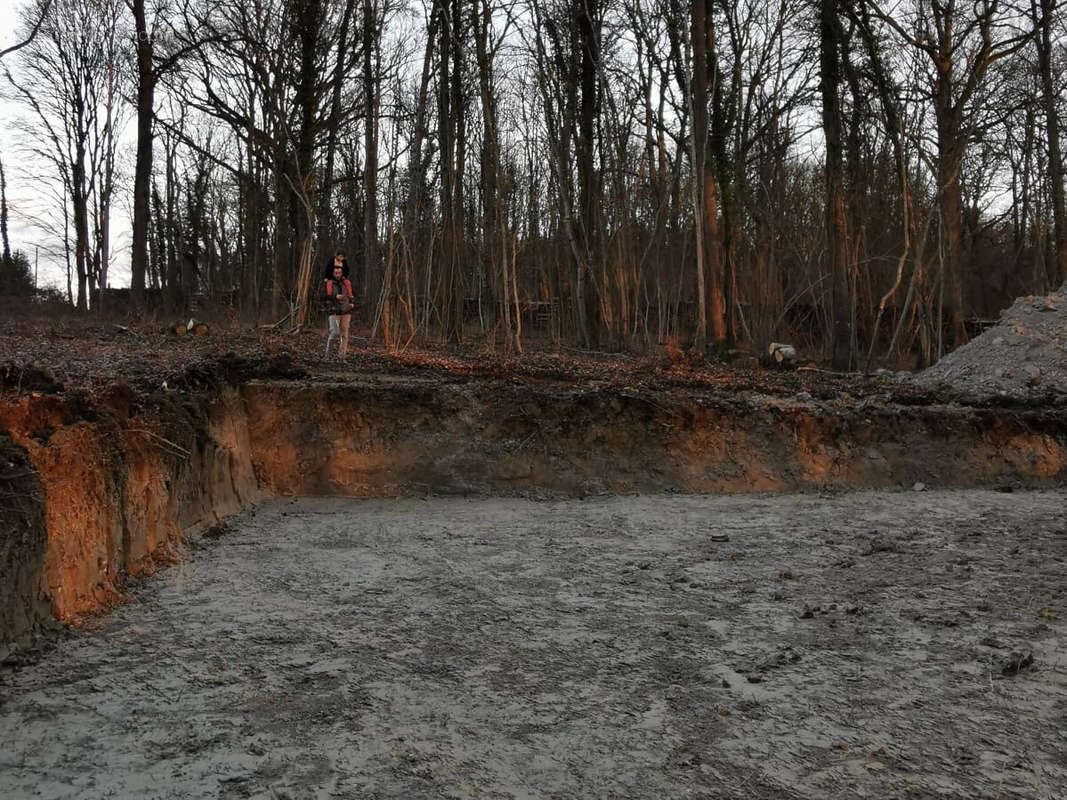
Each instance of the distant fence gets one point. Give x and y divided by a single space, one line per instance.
157 300
535 314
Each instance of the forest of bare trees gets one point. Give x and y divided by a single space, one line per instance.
860 177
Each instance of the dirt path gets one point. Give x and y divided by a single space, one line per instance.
847 646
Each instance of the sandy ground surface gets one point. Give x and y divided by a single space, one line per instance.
867 645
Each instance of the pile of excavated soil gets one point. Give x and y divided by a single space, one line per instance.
1024 356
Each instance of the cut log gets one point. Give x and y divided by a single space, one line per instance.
179 329
200 328
783 354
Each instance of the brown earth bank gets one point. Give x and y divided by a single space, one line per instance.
125 474
116 480
118 440
402 436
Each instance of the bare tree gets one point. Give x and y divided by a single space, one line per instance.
5 253
831 41
1043 15
42 13
961 44
69 80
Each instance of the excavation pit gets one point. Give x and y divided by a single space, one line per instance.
427 584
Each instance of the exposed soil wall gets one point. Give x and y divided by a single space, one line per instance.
120 479
105 487
366 439
22 544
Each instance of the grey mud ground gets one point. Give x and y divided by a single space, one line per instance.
834 647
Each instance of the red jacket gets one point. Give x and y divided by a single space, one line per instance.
334 288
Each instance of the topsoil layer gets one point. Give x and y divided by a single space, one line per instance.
871 645
82 355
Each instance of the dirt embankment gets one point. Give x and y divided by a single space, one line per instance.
373 438
22 543
111 484
123 474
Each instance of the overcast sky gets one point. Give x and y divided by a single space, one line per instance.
23 236
8 37
7 24
23 199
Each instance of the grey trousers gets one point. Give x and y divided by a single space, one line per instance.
339 330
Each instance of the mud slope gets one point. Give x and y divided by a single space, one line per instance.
22 544
385 437
120 479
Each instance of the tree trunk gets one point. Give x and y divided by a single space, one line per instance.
282 237
81 225
6 253
146 87
1050 99
836 228
302 184
416 177
950 146
452 136
482 15
66 245
589 195
105 189
175 296
446 148
370 143
710 291
325 219
459 118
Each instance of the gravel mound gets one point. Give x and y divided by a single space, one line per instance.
1023 356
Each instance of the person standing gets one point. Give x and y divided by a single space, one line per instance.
339 303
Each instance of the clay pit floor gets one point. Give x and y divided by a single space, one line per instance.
839 646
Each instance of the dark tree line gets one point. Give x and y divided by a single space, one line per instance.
857 176
15 276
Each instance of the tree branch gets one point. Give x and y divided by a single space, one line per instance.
33 33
